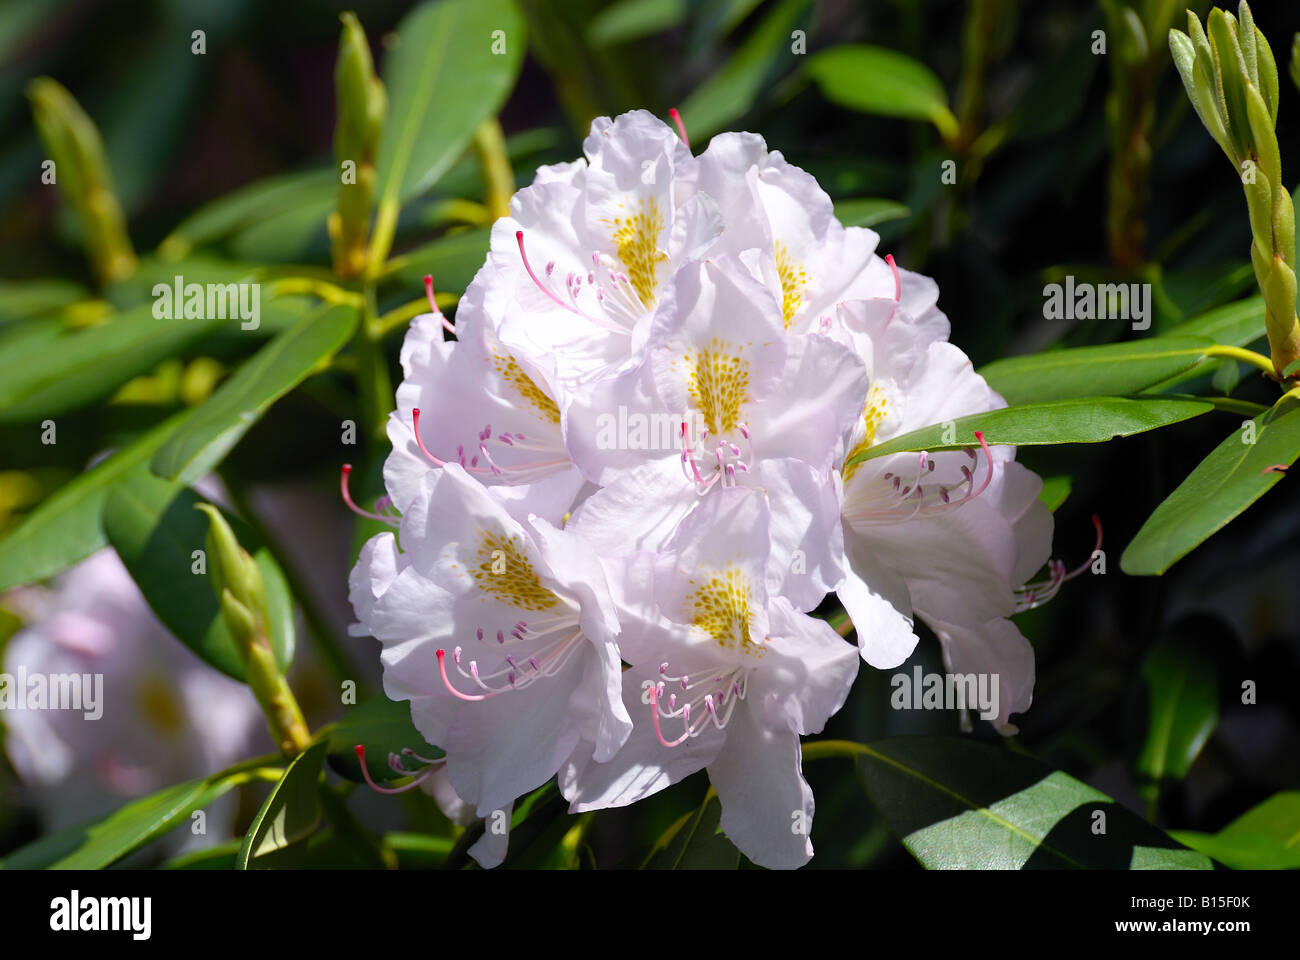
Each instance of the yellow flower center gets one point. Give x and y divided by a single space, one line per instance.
503 571
872 417
793 279
717 378
720 608
529 391
637 239
160 707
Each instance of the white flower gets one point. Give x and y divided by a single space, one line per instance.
950 536
166 716
590 246
753 407
499 629
725 676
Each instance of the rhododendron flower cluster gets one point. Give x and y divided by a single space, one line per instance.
625 485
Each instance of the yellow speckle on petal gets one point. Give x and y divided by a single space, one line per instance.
637 239
872 417
528 390
503 571
717 377
793 279
160 707
720 608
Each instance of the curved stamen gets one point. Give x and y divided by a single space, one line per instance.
433 303
898 282
523 255
365 772
415 420
442 668
681 127
351 505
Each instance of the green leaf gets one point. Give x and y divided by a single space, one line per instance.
884 82
87 366
273 371
1234 475
219 857
290 814
695 842
729 93
869 211
382 726
1180 687
443 80
628 20
97 845
1055 491
1235 324
451 260
1114 369
66 527
1266 837
255 203
20 299
155 529
1090 420
960 804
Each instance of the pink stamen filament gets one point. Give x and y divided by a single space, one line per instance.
351 505
681 127
433 303
898 282
365 772
570 283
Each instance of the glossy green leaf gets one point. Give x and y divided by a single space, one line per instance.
1235 474
155 529
627 20
452 261
1235 324
66 527
695 842
869 211
883 82
1180 696
20 299
97 845
382 726
443 80
87 366
247 206
1266 837
1055 491
1114 369
290 814
730 93
960 804
1090 420
202 442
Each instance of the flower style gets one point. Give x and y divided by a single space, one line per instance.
725 676
498 627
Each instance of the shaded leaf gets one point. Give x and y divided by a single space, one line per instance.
202 442
290 814
155 529
883 82
1234 475
960 804
1266 837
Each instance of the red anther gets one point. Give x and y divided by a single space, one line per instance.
681 127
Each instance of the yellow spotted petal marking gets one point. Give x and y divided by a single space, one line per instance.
503 571
717 377
160 706
637 239
529 391
720 608
793 279
872 417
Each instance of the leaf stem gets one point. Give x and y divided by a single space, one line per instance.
1242 354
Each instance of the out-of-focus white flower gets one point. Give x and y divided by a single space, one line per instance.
166 716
